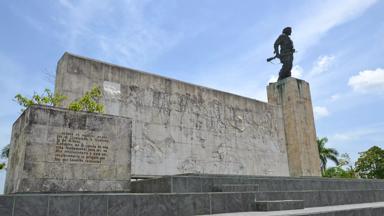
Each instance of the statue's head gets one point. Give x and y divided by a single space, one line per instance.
287 30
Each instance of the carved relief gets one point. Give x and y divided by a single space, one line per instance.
189 165
156 146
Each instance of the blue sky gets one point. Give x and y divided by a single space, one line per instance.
216 43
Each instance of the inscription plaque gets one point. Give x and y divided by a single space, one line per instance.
80 147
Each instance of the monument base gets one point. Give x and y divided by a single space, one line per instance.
58 150
210 194
294 99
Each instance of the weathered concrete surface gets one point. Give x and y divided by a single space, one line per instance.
55 150
183 128
294 98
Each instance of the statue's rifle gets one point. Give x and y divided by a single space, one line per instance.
271 58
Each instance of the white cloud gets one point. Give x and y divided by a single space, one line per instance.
368 81
66 3
117 31
320 112
273 79
335 97
297 72
322 64
358 139
373 132
323 16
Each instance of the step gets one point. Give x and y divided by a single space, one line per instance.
206 183
235 188
279 205
363 209
122 204
324 198
169 204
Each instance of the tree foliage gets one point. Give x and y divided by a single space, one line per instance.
46 98
5 155
326 153
5 152
343 170
370 164
89 102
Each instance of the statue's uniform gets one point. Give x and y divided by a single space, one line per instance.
286 54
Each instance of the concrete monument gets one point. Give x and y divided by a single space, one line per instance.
57 150
184 128
177 128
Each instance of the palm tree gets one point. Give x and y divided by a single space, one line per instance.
326 153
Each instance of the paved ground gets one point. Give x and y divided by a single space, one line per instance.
307 210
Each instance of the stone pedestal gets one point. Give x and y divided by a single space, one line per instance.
294 98
57 150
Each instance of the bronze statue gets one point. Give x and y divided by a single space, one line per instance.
285 53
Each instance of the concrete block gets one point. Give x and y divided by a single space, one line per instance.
31 205
65 155
180 185
6 205
93 205
279 205
64 205
119 205
232 202
196 204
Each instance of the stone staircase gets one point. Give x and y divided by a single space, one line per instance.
259 193
207 194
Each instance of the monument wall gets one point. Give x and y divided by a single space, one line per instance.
180 127
56 150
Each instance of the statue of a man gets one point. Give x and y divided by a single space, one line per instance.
285 54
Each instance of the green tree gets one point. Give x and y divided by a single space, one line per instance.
343 170
4 154
46 98
370 164
326 153
89 102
